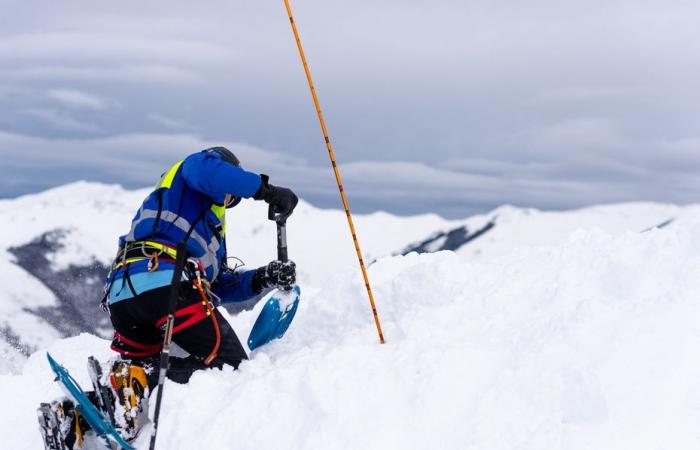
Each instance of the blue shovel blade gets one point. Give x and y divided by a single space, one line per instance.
272 322
91 414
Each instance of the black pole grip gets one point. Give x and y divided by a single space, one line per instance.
282 241
180 261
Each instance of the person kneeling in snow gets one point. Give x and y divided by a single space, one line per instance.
189 203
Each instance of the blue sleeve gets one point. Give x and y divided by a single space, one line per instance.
235 286
213 177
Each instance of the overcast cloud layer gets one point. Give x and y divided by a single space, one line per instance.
446 106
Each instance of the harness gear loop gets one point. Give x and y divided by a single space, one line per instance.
197 282
143 249
210 312
139 251
153 262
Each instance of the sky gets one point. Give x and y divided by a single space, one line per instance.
453 107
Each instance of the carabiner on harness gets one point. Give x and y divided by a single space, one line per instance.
153 262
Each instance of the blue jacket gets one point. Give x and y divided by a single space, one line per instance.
187 203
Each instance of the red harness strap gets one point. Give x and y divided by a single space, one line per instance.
193 313
196 312
146 349
210 312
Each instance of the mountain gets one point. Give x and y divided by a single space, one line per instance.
56 248
553 330
505 228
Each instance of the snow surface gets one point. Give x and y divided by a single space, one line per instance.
587 343
555 330
518 227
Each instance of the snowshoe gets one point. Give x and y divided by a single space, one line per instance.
130 384
62 427
49 425
104 395
91 417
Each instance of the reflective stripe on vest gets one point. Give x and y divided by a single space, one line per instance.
220 213
209 259
210 248
167 179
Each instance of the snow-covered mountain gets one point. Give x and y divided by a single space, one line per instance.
508 227
551 330
56 246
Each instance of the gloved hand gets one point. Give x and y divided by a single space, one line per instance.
283 200
276 274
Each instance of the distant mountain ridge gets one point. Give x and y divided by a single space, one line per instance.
451 240
60 244
571 329
57 246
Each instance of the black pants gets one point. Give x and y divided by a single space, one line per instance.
139 333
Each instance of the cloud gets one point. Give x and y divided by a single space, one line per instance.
141 74
138 160
544 103
456 187
169 122
595 133
59 120
132 159
79 47
77 99
590 94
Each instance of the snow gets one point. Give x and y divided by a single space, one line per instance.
517 227
319 240
556 330
87 211
20 290
94 215
10 357
588 343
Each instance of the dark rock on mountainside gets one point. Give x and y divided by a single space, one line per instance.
449 240
15 341
77 288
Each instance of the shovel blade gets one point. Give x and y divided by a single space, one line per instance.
275 318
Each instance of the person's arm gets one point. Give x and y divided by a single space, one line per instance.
207 173
240 286
214 177
234 287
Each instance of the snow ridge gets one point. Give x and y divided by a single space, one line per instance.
555 330
586 344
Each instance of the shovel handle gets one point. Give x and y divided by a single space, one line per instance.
281 222
282 242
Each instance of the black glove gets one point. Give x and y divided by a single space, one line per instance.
281 199
276 274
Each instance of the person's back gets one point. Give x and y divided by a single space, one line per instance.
188 204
